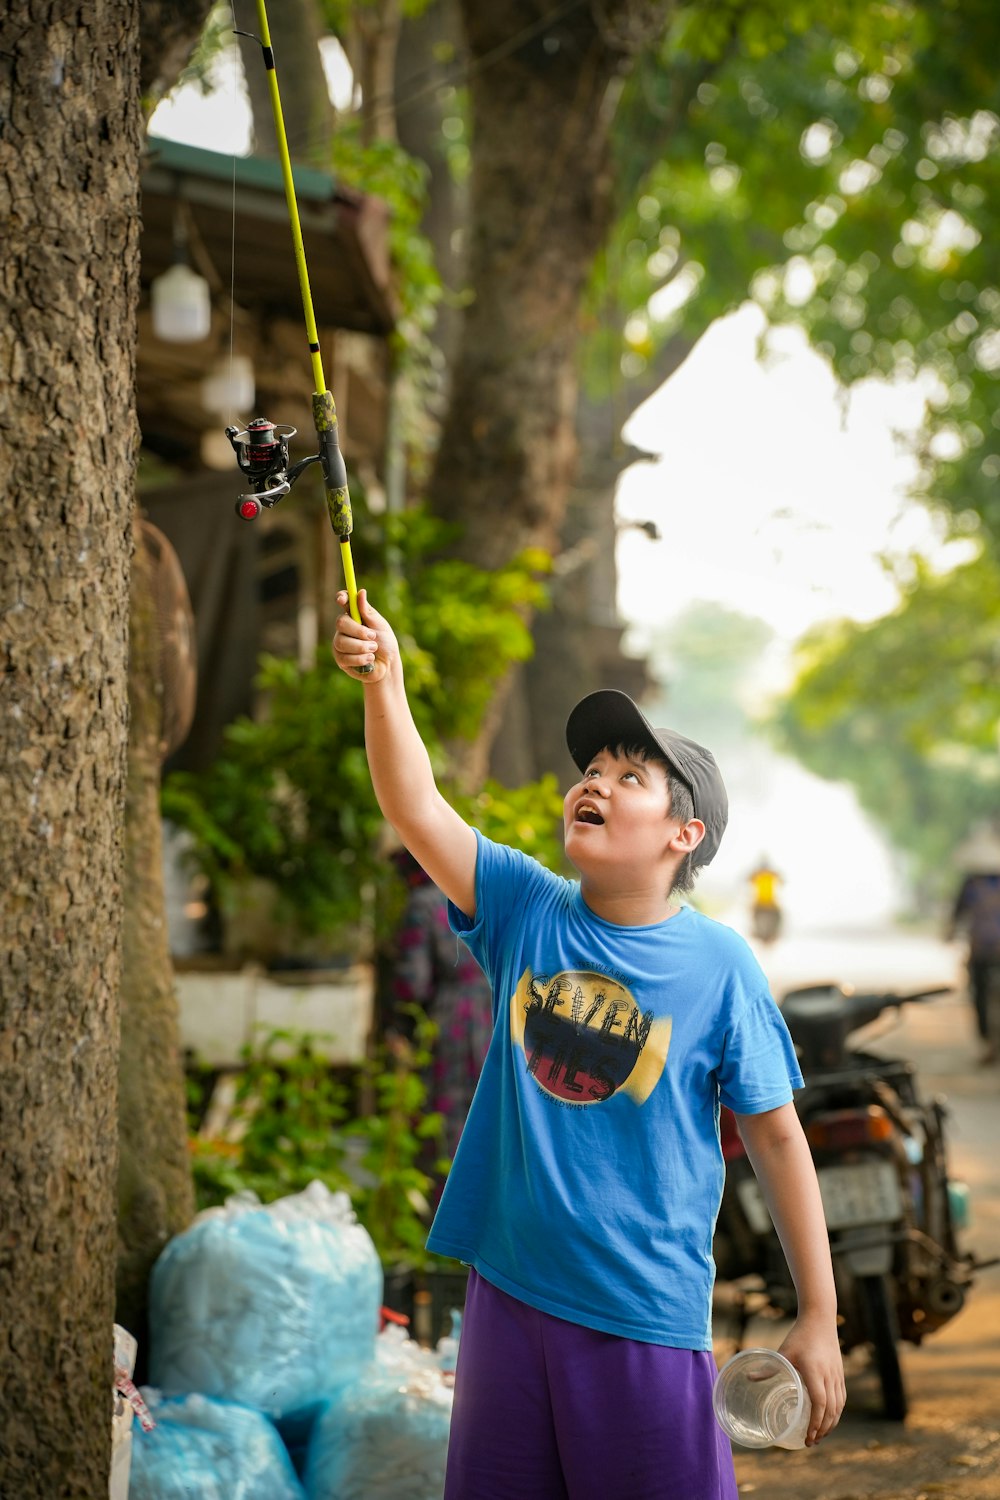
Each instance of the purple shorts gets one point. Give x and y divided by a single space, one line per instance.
548 1410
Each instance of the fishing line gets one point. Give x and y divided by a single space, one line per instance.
261 449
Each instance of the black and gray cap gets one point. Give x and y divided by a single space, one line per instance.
609 718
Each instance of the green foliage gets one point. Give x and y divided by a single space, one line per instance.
840 164
293 1121
527 817
470 623
217 34
338 13
383 169
290 799
392 1198
906 708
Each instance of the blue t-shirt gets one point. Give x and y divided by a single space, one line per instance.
589 1174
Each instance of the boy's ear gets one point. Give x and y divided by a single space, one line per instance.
687 838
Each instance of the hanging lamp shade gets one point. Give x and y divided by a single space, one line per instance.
228 388
182 306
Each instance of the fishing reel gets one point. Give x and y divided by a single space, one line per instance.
262 453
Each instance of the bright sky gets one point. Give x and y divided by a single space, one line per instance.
220 121
776 494
775 491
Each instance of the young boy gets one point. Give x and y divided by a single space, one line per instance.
586 1185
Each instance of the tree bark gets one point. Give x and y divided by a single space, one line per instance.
428 50
155 1188
577 639
540 206
371 44
69 201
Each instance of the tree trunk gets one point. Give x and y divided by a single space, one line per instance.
169 31
578 639
155 1189
371 43
540 205
427 52
69 199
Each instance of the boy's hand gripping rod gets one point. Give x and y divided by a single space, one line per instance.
262 448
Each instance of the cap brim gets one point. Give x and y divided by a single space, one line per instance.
609 717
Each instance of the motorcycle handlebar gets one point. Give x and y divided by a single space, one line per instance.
860 1000
822 1017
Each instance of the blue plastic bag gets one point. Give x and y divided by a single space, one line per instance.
202 1449
274 1307
386 1436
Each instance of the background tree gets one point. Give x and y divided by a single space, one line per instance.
707 660
838 165
70 91
834 162
906 708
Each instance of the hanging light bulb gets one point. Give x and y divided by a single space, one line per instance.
181 299
228 388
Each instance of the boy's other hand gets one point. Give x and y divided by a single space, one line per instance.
371 643
814 1350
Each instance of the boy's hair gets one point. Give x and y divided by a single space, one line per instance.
681 805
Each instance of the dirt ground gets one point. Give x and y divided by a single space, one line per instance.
949 1446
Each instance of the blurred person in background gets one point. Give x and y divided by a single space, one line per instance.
765 913
432 968
976 913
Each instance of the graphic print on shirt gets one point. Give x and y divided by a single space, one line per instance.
585 1039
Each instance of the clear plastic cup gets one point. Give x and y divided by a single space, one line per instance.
760 1400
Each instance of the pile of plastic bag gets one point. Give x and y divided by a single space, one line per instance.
386 1436
215 1450
276 1307
268 1381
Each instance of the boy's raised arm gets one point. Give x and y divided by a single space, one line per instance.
440 841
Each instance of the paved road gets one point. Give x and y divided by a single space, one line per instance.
949 1447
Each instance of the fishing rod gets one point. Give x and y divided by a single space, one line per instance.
261 448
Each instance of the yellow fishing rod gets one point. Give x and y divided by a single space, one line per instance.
262 447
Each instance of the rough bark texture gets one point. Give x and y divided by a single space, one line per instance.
69 190
155 1189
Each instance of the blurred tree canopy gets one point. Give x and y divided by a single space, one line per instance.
706 659
906 708
839 163
835 162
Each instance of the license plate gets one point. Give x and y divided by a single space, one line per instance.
865 1193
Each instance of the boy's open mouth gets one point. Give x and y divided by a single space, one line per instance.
587 813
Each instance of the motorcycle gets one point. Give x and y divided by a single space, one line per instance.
893 1213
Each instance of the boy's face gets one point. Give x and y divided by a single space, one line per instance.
618 814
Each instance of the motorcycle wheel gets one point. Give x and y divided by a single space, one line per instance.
883 1332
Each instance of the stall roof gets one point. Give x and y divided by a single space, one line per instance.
344 233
